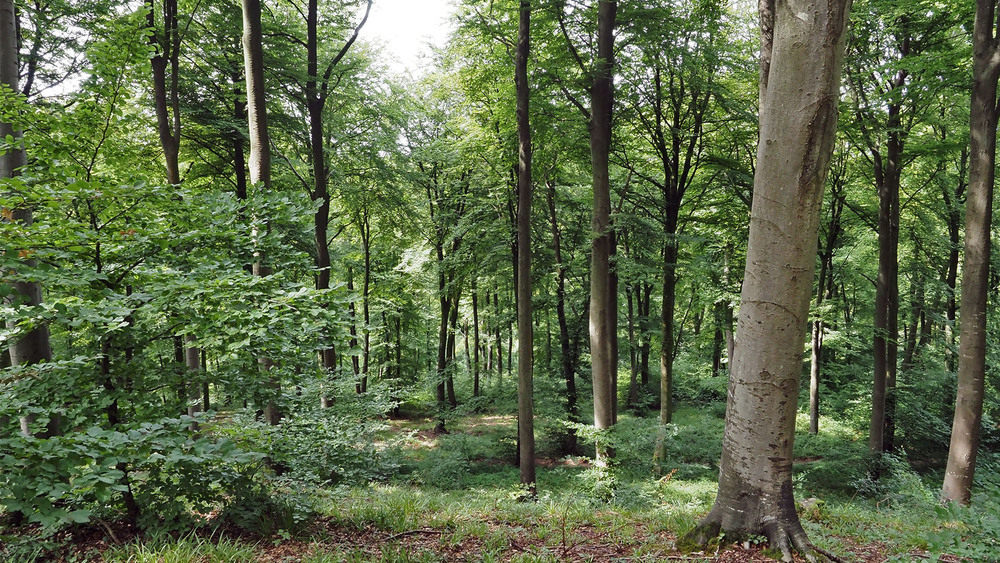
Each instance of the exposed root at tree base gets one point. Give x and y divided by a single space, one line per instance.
783 539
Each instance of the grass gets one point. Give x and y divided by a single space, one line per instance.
455 497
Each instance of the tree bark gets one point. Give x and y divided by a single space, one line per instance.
166 52
966 425
567 358
260 160
34 346
253 58
525 333
801 57
602 102
822 292
475 338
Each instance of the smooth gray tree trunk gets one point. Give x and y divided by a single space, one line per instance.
602 102
967 422
801 58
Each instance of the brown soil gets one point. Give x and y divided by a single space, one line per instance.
578 544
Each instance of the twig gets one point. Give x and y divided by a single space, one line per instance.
413 532
108 529
828 555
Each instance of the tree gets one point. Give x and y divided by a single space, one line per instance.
33 346
801 55
983 118
260 153
605 365
525 334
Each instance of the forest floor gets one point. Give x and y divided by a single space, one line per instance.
455 499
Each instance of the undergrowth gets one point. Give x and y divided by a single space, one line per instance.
461 487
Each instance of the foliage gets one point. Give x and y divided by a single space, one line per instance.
70 479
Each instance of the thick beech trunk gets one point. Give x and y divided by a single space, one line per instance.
525 334
967 423
801 57
260 160
602 102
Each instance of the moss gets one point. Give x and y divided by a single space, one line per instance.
701 537
773 553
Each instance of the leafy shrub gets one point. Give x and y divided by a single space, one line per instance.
265 506
66 479
317 446
970 533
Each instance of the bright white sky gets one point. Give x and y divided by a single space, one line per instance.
405 27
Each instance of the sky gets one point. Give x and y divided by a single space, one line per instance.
405 27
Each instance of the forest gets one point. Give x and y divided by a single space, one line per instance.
694 280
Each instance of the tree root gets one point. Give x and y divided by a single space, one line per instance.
783 538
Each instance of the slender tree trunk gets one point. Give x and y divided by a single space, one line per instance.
366 283
644 309
954 215
613 319
239 143
633 352
801 57
966 426
822 289
567 356
602 102
450 361
496 308
352 311
475 338
192 360
525 335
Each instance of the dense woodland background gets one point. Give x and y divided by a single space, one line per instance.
223 349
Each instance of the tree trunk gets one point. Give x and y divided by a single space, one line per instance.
525 335
666 353
496 308
352 311
567 356
822 289
801 57
633 356
166 51
442 349
239 143
602 102
34 346
954 217
450 361
475 338
192 360
366 346
253 57
644 309
260 159
967 423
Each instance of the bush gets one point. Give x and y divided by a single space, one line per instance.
67 479
318 446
